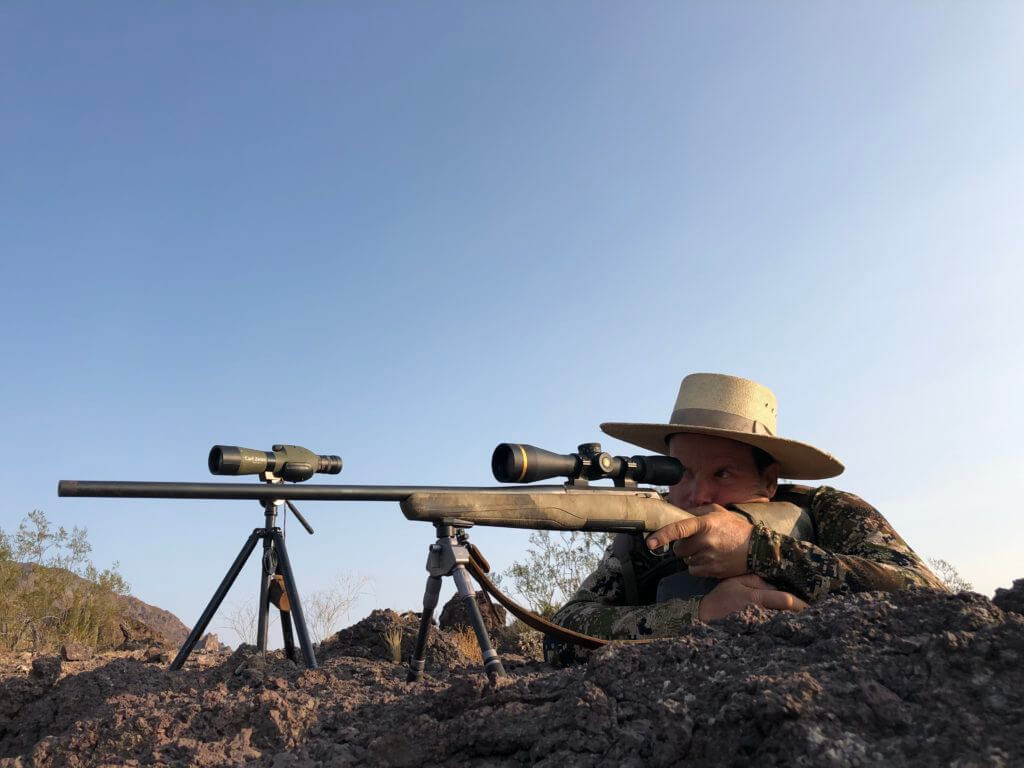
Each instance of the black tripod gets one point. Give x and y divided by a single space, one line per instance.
449 556
277 568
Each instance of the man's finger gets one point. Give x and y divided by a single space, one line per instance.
688 547
680 529
754 581
778 600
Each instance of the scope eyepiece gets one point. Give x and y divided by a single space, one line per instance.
289 462
521 463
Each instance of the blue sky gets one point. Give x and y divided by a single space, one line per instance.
404 233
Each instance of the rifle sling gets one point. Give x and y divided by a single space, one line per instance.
530 618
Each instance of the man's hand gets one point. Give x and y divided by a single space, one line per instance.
737 593
712 544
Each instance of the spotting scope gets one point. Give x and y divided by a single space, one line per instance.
521 463
289 462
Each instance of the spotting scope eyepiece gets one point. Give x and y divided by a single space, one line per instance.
521 463
289 462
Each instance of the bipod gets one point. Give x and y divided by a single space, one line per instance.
277 568
449 556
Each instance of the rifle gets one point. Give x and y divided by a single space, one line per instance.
573 506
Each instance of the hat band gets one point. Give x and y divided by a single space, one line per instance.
702 417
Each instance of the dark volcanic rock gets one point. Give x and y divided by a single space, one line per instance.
209 643
1011 599
138 636
455 616
906 679
372 638
76 652
46 669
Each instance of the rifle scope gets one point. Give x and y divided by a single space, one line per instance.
520 463
289 462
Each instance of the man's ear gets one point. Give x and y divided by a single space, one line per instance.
771 479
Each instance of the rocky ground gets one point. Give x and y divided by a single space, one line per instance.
914 678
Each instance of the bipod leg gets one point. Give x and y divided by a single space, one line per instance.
293 600
269 568
217 599
492 664
419 653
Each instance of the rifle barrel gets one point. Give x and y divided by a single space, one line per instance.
264 491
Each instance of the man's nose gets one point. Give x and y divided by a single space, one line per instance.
702 493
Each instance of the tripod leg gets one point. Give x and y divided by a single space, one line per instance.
218 597
267 571
293 601
419 653
286 631
492 664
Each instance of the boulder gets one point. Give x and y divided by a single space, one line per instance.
75 652
46 669
1011 599
454 615
156 655
209 643
139 636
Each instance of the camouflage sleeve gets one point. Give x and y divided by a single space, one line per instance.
600 608
856 551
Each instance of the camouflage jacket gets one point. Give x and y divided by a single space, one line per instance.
854 550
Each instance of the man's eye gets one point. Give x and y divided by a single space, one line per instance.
723 474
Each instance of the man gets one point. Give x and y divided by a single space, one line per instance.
737 550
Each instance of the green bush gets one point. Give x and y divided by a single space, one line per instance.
51 593
554 567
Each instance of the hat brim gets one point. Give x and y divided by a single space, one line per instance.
797 461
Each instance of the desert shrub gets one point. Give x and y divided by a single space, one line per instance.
323 609
51 593
949 575
554 567
242 618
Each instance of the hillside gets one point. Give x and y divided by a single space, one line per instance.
121 617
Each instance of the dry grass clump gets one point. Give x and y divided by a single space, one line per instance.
393 642
466 643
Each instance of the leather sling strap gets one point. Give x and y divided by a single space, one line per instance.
530 618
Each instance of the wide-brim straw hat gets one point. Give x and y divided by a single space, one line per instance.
734 408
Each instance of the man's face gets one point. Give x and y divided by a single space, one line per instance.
718 471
